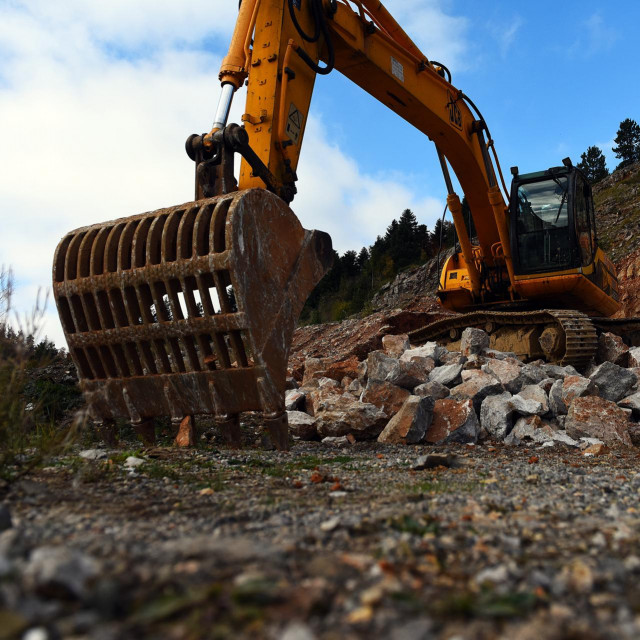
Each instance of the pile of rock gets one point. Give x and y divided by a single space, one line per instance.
427 394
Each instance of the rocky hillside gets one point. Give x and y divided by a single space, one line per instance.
617 200
413 289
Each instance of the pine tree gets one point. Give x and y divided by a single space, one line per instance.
363 258
594 164
349 264
628 141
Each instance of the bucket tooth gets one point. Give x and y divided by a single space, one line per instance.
188 310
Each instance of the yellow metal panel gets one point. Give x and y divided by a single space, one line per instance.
274 29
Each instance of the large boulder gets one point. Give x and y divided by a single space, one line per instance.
384 395
614 382
395 345
294 400
381 366
428 350
513 374
496 415
410 424
595 417
452 357
434 390
530 428
557 405
532 374
577 387
325 392
407 373
415 372
476 385
631 402
558 372
454 420
532 400
634 434
611 348
341 415
447 375
474 341
634 357
302 425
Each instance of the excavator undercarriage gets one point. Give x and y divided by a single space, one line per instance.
561 336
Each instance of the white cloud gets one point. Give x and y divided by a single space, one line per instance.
440 36
97 99
507 35
595 37
335 196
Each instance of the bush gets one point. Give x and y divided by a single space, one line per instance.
29 405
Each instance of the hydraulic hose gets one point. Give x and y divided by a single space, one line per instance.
320 22
490 143
299 29
444 213
445 69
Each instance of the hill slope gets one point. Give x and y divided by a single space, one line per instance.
617 202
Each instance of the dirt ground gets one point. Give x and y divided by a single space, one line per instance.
325 542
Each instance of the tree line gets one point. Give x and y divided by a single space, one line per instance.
355 277
627 148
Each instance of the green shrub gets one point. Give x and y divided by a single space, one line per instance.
29 406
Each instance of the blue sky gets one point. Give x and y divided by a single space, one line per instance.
81 79
550 78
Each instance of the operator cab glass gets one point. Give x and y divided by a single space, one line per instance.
542 225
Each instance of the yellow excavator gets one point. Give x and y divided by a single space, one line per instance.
190 310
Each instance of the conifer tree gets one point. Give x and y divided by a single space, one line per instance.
594 164
628 141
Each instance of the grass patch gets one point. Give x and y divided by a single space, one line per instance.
415 526
121 456
486 604
310 462
439 486
158 471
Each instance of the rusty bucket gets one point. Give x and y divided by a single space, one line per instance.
189 310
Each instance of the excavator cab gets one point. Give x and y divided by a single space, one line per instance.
554 245
553 223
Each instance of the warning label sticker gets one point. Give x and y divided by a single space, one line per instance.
294 123
397 69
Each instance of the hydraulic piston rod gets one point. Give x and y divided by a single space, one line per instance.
224 106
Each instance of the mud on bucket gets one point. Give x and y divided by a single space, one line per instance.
189 310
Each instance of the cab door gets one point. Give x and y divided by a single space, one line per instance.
584 221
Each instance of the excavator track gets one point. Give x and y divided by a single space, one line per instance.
627 328
561 336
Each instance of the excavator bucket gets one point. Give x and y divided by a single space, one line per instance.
189 310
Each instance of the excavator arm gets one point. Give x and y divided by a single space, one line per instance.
280 46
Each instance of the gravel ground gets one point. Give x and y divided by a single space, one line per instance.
325 542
